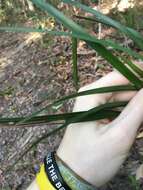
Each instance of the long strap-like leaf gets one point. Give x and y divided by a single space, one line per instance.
133 34
96 113
77 29
74 62
60 117
107 43
116 63
101 90
87 92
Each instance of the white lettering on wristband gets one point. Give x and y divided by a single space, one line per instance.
52 173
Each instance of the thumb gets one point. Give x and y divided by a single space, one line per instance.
131 117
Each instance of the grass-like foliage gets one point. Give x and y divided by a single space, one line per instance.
76 32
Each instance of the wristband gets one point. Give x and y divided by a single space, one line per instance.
72 179
53 173
42 180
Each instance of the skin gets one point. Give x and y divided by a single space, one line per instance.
96 150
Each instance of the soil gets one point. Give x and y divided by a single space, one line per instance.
32 70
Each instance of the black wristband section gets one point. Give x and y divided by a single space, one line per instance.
53 173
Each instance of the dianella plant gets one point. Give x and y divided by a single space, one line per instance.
76 32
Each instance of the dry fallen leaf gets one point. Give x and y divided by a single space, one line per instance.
140 135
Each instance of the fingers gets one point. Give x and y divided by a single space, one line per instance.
126 96
123 96
131 117
111 79
85 103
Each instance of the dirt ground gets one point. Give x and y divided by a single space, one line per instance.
30 70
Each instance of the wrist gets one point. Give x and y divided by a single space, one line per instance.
74 181
75 165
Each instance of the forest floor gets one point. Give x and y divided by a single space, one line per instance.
32 70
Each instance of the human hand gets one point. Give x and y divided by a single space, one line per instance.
95 150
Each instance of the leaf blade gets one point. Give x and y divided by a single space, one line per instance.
133 34
75 28
74 62
88 92
61 117
107 43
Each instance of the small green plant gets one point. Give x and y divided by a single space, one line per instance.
76 32
134 183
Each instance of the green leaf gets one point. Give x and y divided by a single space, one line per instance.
27 30
77 29
96 113
79 118
95 110
59 16
54 131
100 90
88 92
61 117
135 68
116 63
74 62
107 43
119 47
133 34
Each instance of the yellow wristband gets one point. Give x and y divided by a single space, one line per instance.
43 181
